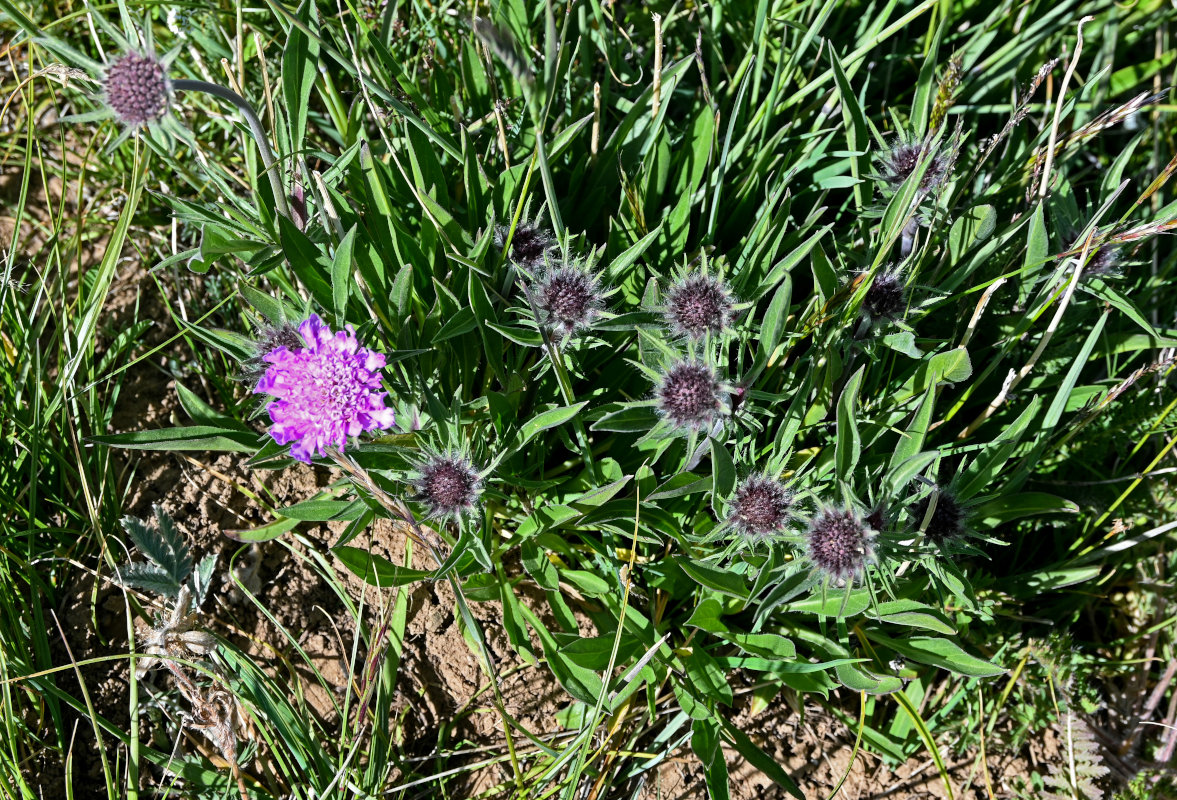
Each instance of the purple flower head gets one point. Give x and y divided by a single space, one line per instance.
449 485
760 507
568 298
698 305
689 395
325 391
137 89
839 544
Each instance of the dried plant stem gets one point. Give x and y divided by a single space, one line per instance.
979 310
1058 108
657 92
984 756
595 144
255 127
261 57
1014 378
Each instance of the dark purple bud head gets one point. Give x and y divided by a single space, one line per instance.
448 486
839 544
885 297
567 298
1102 263
898 163
529 245
948 518
267 339
760 507
689 394
698 305
137 89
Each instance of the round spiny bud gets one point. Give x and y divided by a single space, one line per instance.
268 339
947 520
689 394
698 305
448 486
885 296
900 161
137 89
760 507
567 298
839 544
529 246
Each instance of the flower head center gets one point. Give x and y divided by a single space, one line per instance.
839 543
566 296
689 394
698 305
761 506
137 89
333 384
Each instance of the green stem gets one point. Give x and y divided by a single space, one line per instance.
401 511
255 126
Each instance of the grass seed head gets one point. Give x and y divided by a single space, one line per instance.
839 544
449 485
698 305
137 89
689 395
760 507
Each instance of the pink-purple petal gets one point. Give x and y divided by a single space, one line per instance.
325 392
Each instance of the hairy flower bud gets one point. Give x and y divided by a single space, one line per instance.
449 486
689 395
137 89
567 298
530 246
898 163
267 339
1103 263
839 544
948 517
698 305
885 297
760 507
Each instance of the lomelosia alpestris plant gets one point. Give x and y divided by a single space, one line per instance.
686 482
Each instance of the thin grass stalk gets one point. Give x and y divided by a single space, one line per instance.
1058 109
594 719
